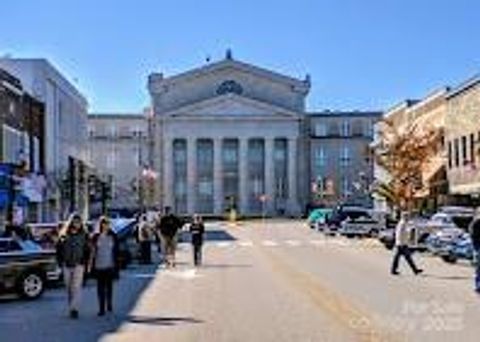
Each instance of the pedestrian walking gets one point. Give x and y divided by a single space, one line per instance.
104 264
402 248
475 236
197 231
73 255
145 240
169 226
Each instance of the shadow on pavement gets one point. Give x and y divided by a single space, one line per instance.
210 236
168 321
446 277
46 319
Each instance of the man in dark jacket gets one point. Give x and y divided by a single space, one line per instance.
475 235
169 226
197 231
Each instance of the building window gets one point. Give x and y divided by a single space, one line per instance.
345 187
456 152
464 151
369 129
345 156
320 129
320 157
12 144
472 149
346 128
450 160
113 131
111 160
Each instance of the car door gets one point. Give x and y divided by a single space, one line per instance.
8 267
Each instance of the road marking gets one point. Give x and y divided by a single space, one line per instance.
223 244
293 243
269 243
186 274
245 243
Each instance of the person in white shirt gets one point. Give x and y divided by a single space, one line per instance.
402 248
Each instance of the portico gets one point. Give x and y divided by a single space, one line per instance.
228 135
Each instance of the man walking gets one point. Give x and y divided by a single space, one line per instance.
197 230
475 236
402 246
169 225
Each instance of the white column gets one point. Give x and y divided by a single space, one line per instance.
269 175
293 205
191 175
243 176
168 173
217 176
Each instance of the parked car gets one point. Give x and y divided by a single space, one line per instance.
367 225
26 268
319 217
341 213
459 248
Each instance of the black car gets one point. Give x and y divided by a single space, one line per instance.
26 268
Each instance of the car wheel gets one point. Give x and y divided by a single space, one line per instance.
31 285
451 259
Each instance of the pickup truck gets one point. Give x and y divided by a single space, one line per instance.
26 268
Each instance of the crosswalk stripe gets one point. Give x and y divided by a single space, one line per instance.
245 243
293 243
223 244
269 243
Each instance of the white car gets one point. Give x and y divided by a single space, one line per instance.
367 225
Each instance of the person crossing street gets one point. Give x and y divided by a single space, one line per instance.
402 248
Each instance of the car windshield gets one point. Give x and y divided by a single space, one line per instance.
29 246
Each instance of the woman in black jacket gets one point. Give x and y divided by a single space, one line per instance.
104 263
197 230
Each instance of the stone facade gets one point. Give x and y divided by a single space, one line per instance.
229 134
426 114
462 133
340 167
118 146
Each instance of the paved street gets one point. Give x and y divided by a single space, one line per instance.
266 281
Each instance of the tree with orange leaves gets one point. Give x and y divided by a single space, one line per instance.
404 152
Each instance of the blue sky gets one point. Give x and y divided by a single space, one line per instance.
361 54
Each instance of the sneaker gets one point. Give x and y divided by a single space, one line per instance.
101 313
394 273
418 271
73 314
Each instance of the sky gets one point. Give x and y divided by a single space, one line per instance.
360 54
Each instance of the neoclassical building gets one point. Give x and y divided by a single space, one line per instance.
230 133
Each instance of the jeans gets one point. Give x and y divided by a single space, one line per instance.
145 252
405 252
73 278
197 254
105 288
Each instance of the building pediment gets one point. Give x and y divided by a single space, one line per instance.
231 105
